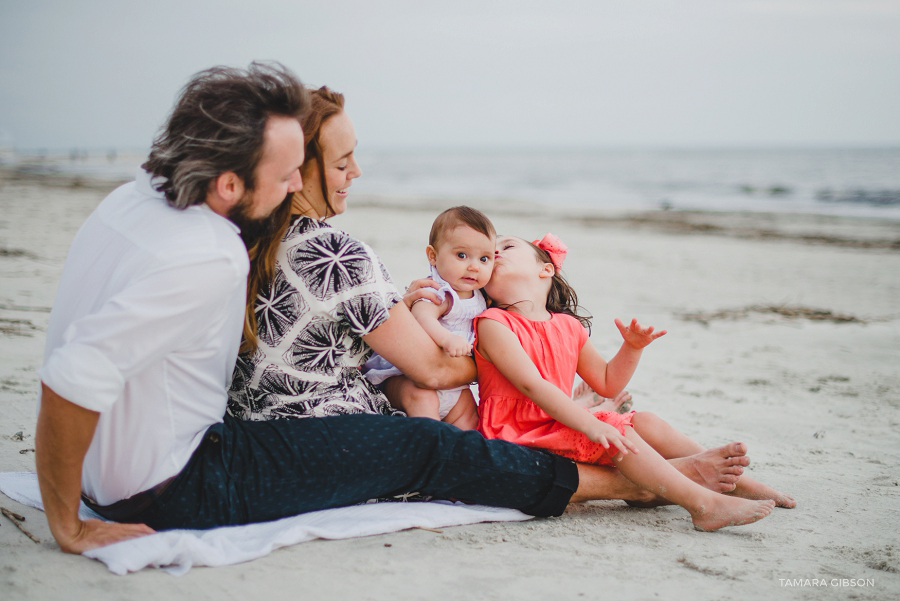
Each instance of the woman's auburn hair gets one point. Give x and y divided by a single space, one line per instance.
324 104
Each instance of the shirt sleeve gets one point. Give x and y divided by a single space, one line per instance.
159 313
584 334
494 314
368 305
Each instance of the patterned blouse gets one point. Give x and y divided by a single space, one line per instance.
329 291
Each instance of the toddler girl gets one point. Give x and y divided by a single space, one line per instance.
461 253
528 350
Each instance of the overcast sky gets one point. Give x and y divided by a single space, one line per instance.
461 73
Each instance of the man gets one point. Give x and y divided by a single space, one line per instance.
144 335
149 311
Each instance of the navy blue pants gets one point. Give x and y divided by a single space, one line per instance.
259 471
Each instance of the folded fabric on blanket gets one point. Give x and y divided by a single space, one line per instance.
176 551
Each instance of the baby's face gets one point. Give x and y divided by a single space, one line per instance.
464 258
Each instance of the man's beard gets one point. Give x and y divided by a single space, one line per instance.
253 228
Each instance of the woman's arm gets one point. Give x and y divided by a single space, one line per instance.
403 342
499 345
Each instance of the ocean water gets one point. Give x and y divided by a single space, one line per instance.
853 182
839 181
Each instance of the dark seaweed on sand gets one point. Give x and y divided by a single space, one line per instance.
784 311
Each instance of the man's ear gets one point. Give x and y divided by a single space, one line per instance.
225 192
431 254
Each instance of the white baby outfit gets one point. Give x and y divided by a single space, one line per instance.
458 320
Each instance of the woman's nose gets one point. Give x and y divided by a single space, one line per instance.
355 171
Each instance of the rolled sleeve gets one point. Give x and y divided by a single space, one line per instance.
82 374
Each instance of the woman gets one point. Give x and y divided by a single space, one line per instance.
320 301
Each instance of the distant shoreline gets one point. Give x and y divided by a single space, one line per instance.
829 230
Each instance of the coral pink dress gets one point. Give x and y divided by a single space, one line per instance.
506 413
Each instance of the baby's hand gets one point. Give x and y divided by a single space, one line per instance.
457 346
605 435
636 335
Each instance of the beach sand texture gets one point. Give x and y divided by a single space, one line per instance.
816 397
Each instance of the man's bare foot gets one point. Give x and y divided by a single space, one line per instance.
749 488
720 512
717 469
587 398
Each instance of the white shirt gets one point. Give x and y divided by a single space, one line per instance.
145 330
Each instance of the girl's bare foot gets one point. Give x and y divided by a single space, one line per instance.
748 488
587 398
717 469
721 512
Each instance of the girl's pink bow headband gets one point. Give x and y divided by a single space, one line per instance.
554 247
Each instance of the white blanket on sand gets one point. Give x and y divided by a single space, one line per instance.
176 551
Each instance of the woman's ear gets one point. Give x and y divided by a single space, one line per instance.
431 254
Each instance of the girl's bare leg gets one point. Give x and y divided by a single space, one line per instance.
464 414
670 443
606 483
409 398
665 440
709 510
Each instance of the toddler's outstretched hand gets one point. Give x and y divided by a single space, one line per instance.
636 335
457 346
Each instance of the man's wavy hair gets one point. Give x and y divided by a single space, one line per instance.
218 125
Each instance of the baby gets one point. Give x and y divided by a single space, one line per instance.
461 253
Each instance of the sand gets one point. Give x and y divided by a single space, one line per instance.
752 354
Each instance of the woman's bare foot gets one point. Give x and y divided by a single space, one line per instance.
721 512
717 469
749 488
587 398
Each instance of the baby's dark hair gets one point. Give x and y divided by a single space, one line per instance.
457 216
562 297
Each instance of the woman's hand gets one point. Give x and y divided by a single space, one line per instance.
421 289
636 335
403 342
604 434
